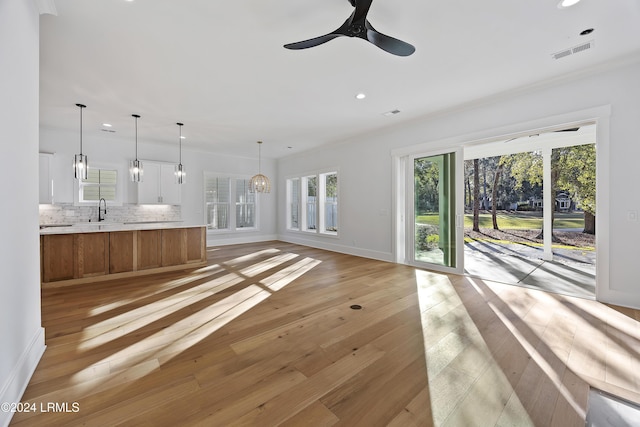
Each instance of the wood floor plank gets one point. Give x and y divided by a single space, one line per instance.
315 414
416 413
296 399
264 335
393 392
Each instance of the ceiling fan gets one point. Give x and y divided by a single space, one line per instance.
357 25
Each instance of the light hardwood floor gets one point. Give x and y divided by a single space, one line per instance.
265 336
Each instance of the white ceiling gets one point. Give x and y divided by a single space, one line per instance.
220 68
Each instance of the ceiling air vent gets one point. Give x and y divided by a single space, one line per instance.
572 51
562 54
582 47
391 113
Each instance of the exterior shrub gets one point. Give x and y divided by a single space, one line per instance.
427 237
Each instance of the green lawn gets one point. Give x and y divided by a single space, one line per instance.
514 221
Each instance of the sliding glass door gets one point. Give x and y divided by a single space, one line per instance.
434 236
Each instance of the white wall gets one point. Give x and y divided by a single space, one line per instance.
365 165
21 335
364 185
116 150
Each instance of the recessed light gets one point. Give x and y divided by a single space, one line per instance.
107 125
567 3
183 137
361 96
587 31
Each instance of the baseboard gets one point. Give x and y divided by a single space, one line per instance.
16 384
612 296
218 240
348 250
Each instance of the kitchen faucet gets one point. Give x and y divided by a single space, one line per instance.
102 212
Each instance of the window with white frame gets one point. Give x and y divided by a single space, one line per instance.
100 184
216 196
293 204
328 202
220 192
245 205
312 203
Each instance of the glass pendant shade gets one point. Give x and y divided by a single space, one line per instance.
259 183
80 166
136 171
80 163
181 174
181 171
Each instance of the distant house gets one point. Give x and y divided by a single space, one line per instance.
563 202
536 203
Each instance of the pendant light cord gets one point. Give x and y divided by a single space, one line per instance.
136 116
81 106
180 141
80 130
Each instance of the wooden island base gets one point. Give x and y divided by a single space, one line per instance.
73 258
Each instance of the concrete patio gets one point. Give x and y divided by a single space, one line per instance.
573 272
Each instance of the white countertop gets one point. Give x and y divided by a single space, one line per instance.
102 227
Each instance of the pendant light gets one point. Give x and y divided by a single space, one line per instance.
259 183
181 173
135 166
80 165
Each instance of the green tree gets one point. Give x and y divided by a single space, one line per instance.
476 195
572 169
494 193
331 184
527 171
525 168
576 173
426 176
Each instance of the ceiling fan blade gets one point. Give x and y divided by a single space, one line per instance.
361 9
388 43
358 26
305 44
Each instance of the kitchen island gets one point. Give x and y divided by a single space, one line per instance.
90 252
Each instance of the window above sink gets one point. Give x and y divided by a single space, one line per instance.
103 182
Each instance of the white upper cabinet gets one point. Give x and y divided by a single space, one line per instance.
158 186
45 179
169 188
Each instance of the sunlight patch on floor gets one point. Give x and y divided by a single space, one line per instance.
190 330
258 268
160 288
143 356
140 317
465 381
542 362
252 256
211 269
282 278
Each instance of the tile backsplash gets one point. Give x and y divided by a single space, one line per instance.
67 213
